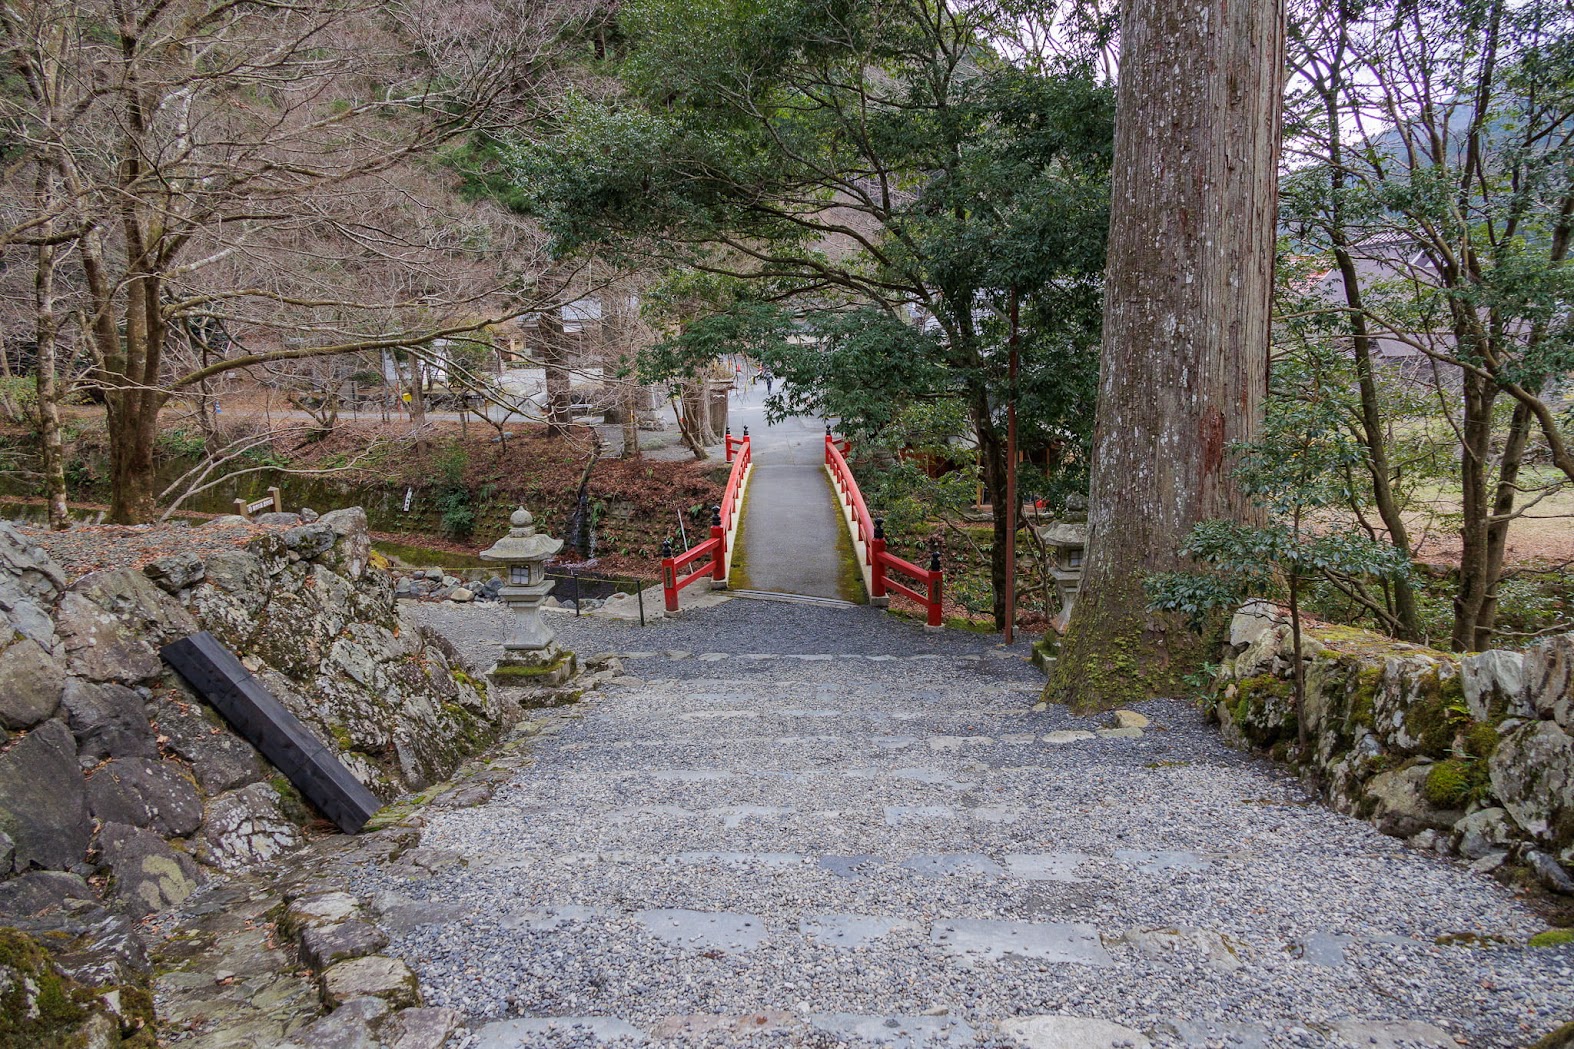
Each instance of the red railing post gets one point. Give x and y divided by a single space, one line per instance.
829 441
669 576
728 441
719 556
877 560
936 586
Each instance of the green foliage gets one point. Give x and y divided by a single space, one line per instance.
19 400
1302 462
854 193
454 498
1456 782
182 443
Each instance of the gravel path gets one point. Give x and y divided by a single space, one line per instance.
805 826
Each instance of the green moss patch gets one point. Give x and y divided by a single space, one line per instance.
1553 938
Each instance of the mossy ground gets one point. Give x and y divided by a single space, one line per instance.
60 1007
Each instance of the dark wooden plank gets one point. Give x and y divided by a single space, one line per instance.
315 770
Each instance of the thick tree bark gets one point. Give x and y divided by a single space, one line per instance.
1187 298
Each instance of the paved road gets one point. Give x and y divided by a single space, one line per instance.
792 540
805 844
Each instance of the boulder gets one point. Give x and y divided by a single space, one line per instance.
140 607
241 573
353 551
149 876
1533 776
1549 680
1399 805
1253 619
311 540
43 804
1494 684
145 792
30 684
277 517
175 573
220 760
461 595
38 892
1482 832
325 945
320 910
1549 872
245 827
1265 654
109 721
30 583
351 1026
101 647
421 1028
375 976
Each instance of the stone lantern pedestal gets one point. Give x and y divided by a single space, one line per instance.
531 655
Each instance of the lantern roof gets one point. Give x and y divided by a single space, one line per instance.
1065 533
523 542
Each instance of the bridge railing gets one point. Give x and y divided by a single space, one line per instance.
868 535
723 531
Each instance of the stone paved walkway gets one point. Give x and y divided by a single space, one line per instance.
792 530
761 837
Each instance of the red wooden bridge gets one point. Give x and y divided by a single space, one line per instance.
882 572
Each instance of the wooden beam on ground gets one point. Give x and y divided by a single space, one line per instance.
315 770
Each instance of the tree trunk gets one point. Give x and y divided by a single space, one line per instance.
992 458
559 411
631 406
133 431
1497 528
48 331
1183 365
1476 496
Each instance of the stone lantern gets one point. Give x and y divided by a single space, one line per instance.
530 655
1067 540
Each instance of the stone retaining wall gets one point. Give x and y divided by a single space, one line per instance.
121 791
1471 755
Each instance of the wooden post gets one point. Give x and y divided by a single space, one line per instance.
877 561
936 586
278 499
719 557
669 576
240 508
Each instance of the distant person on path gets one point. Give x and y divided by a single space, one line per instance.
769 379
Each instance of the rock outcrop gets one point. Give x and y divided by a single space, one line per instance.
122 791
1470 754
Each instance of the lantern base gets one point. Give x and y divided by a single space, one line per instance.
540 668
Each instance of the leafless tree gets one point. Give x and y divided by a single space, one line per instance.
268 169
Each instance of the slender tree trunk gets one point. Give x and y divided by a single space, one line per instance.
48 331
554 356
992 458
631 401
1497 528
1187 300
1476 497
